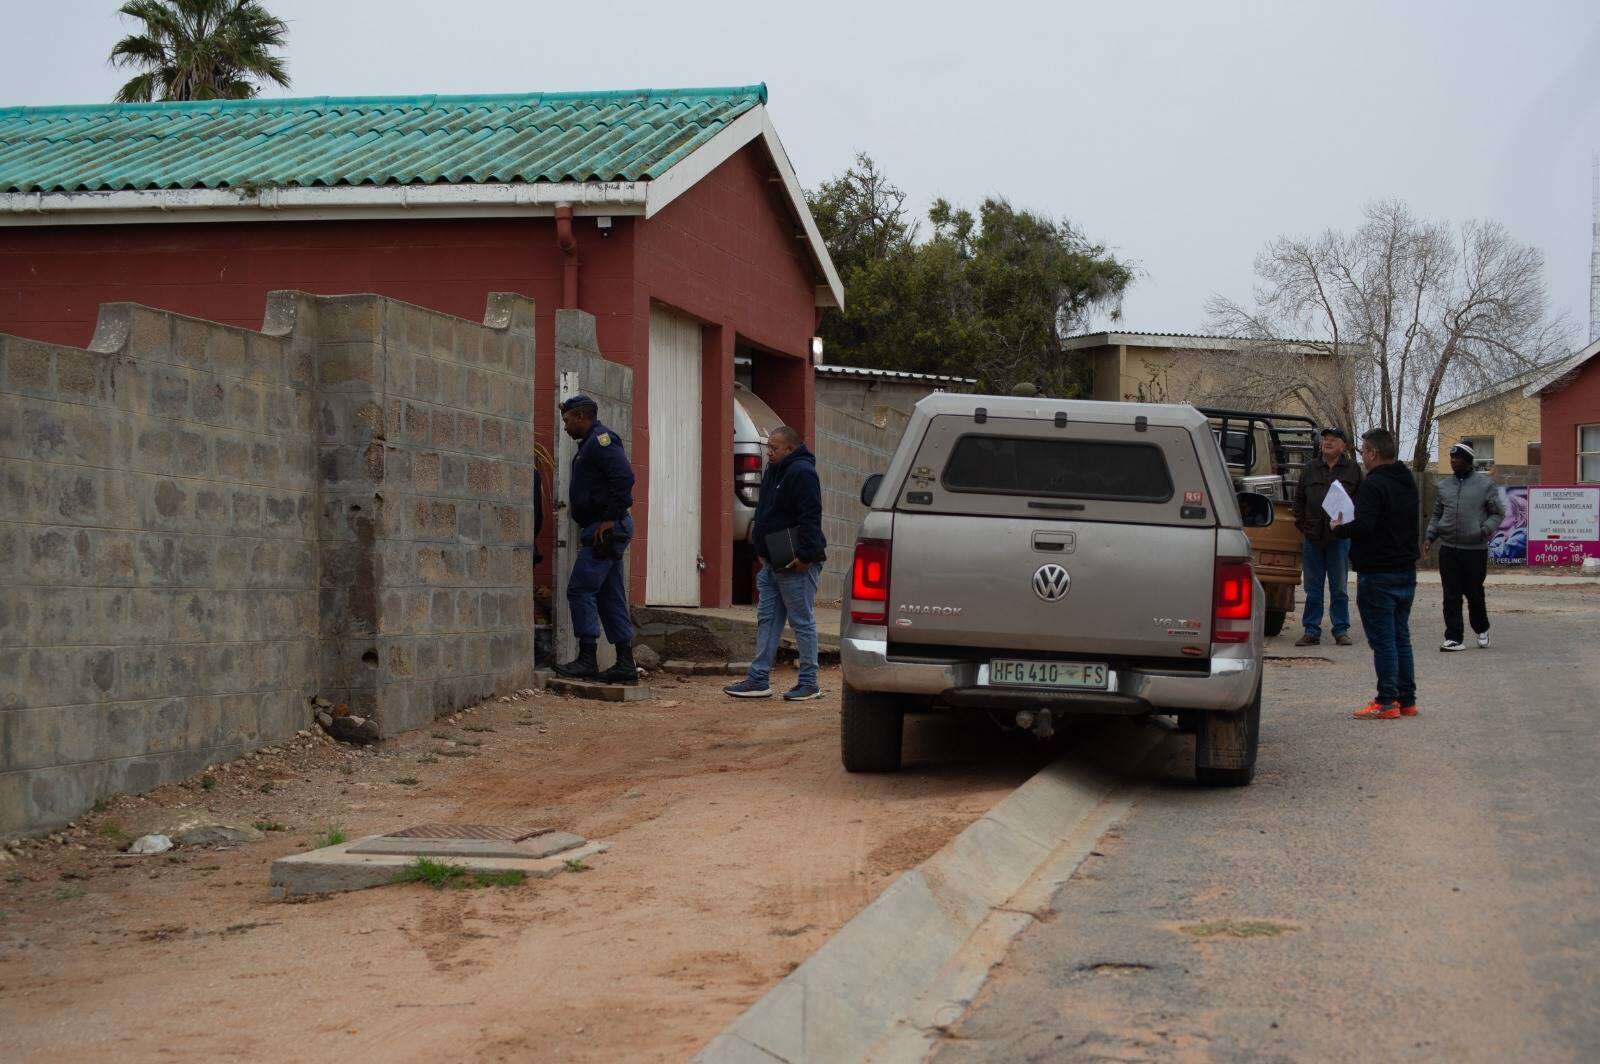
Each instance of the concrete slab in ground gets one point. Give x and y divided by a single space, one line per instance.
332 869
706 668
600 692
546 845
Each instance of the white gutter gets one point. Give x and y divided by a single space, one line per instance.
294 203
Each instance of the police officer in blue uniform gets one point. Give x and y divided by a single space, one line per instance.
601 493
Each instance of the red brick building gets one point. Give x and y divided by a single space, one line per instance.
677 207
1569 416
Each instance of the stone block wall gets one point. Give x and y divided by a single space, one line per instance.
202 527
859 425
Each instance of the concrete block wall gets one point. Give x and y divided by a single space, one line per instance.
425 446
859 425
201 527
158 604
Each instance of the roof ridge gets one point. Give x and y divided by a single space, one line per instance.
287 103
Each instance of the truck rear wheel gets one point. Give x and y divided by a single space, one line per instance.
1225 746
869 731
1274 619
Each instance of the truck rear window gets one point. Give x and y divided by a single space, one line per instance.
1058 469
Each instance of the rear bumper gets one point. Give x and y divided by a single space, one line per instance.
1231 684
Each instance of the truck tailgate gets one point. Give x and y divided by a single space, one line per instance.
995 582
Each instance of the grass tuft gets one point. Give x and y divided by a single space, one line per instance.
407 781
266 788
208 782
575 864
332 837
442 874
477 728
269 825
1236 929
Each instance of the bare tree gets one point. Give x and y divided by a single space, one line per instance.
1413 311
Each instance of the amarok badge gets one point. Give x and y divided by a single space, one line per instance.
604 439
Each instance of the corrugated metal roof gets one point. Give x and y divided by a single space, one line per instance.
370 140
890 374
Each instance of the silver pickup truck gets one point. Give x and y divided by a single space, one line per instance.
1038 558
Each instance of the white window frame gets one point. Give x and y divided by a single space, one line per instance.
1480 461
1582 454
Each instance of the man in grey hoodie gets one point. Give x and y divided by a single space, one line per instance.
1465 515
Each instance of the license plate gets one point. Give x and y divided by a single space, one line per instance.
1078 675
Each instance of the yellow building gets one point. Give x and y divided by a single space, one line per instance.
1499 422
1281 376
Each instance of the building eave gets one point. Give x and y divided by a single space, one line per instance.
1560 370
753 124
1182 342
321 203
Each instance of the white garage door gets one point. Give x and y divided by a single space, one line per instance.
673 578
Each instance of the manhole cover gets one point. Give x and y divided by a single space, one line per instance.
469 840
467 831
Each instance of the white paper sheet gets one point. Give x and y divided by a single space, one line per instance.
1340 508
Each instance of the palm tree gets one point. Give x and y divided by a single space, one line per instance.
200 50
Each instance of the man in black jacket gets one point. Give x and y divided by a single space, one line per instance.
1384 551
788 526
1324 558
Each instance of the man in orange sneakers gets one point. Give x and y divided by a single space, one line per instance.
1383 550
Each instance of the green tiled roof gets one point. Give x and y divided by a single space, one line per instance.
364 140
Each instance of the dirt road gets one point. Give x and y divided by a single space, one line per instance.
739 846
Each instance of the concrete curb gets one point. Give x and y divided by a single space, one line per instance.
911 961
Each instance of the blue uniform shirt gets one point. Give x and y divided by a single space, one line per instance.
602 479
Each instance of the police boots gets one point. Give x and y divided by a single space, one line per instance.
583 667
624 671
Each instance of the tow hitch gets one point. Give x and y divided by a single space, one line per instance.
1038 721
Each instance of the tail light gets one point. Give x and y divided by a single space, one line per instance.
1232 603
869 582
747 478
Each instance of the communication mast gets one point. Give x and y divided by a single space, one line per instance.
1594 253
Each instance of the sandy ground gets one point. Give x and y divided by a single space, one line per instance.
739 846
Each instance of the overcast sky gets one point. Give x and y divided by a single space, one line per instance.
1182 134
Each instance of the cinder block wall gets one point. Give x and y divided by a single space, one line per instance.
182 560
859 425
158 605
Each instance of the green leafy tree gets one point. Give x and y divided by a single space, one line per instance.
200 50
987 295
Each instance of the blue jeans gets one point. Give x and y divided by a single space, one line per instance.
1330 562
786 595
1384 600
596 593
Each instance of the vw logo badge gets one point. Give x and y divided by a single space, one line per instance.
1051 582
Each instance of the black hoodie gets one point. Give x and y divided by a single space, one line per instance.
1384 535
791 497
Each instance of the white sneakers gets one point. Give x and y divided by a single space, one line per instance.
1451 645
1483 641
